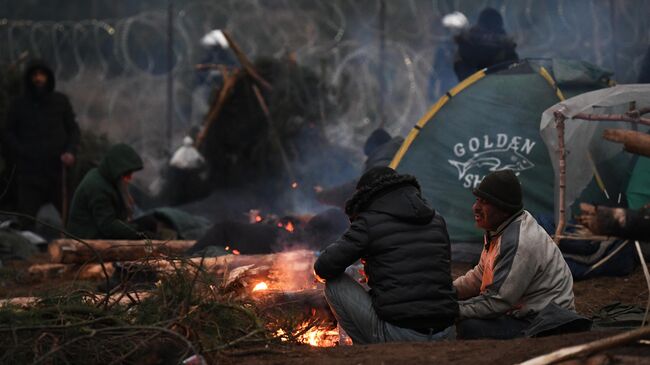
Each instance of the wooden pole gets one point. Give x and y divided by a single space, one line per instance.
561 223
631 117
170 72
229 82
589 348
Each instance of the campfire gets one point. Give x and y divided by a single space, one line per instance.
287 284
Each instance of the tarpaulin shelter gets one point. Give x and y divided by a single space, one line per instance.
583 139
490 122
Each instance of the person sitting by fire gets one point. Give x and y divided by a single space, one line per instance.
102 206
406 252
521 285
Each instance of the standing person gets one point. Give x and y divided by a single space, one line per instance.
41 137
483 45
521 271
406 250
102 207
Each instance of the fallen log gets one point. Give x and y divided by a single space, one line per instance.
288 267
68 251
58 271
633 142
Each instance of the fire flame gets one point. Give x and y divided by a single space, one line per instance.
319 337
260 286
289 227
315 336
258 218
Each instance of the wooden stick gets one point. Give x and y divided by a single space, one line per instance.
69 251
612 118
589 348
647 280
634 142
229 82
243 60
559 119
274 133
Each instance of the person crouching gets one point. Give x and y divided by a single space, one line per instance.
405 246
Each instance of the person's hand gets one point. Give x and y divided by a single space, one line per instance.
67 159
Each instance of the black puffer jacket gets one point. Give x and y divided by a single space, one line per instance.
406 248
40 127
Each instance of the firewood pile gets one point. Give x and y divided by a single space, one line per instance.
204 306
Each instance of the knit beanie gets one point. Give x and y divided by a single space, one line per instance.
502 189
375 140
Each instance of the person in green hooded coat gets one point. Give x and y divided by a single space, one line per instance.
101 206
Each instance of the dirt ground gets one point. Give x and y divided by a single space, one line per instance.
591 295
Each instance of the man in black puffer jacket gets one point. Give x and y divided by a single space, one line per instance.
406 249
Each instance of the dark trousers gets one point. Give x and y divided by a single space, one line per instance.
501 328
35 191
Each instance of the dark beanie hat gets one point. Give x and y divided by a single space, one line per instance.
502 189
376 139
490 19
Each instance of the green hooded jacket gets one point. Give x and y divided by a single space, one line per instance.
98 209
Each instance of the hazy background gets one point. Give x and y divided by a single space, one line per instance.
110 56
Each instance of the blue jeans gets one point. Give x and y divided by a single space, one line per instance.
352 307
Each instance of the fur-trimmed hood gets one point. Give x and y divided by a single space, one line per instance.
396 195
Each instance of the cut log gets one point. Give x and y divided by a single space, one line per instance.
68 251
633 142
59 271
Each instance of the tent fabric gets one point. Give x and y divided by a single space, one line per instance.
583 139
488 122
638 190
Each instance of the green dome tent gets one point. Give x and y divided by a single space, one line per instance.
490 122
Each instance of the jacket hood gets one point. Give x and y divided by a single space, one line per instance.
404 203
38 65
120 160
396 195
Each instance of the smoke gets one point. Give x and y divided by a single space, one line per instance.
115 70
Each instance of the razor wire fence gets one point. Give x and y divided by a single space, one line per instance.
115 70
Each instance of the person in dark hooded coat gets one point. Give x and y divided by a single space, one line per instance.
485 44
406 249
41 138
101 207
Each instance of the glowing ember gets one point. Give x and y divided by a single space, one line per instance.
260 286
294 185
235 252
289 227
315 336
258 218
319 337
